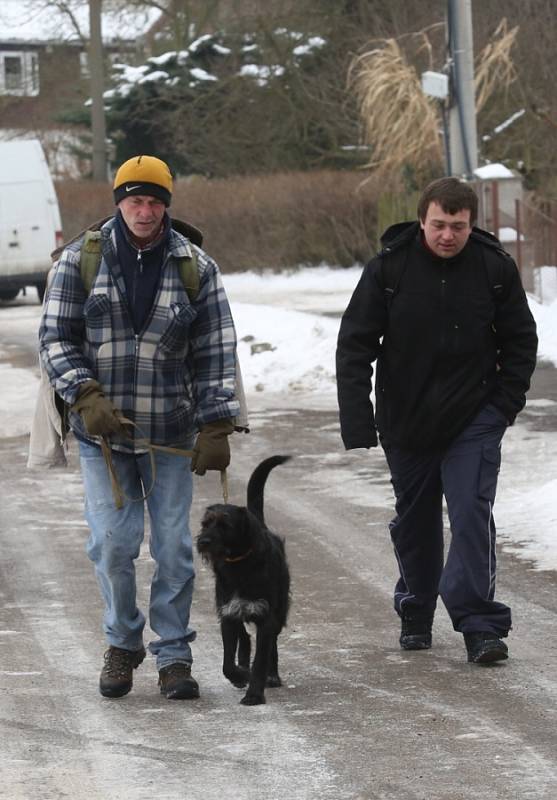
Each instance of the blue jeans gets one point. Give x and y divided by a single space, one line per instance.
114 543
465 473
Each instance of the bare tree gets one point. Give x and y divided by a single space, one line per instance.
96 69
184 20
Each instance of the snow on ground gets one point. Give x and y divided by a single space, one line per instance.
526 506
546 321
287 327
19 388
285 350
288 312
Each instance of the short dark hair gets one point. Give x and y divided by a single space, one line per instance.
452 195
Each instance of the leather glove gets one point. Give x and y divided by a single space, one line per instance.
97 412
211 449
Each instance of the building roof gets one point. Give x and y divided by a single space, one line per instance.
35 21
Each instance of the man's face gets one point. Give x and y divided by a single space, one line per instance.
142 214
446 234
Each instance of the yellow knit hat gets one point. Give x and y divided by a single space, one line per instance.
143 175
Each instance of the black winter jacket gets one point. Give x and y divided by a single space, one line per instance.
445 347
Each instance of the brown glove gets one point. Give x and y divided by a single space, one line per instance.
97 412
211 449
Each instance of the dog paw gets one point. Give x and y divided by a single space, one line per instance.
273 681
253 700
238 677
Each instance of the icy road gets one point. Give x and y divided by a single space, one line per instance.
357 719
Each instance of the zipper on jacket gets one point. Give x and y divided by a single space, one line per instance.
157 295
443 315
137 336
140 265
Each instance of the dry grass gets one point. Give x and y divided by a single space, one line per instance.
400 123
494 66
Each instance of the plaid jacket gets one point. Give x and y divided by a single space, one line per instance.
174 376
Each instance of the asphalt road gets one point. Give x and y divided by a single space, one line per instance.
357 719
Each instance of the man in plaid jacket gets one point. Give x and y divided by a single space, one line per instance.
136 345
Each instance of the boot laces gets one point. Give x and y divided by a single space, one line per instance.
117 662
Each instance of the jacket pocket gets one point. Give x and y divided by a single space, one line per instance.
96 312
174 339
489 472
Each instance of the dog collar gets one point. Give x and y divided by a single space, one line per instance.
239 558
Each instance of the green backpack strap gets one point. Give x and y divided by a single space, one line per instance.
189 275
91 255
90 258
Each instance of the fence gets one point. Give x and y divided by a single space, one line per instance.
527 228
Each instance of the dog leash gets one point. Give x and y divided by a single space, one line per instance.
118 493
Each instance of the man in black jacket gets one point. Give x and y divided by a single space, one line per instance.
442 310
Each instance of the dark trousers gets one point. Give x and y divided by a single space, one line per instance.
465 473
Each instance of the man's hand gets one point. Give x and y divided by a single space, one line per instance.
97 412
211 449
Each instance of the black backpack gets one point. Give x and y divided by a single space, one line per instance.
394 261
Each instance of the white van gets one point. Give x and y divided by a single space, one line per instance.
30 226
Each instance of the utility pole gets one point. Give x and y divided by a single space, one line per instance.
96 68
463 137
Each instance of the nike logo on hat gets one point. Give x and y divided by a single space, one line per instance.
131 188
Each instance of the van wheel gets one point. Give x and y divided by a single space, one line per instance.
9 294
41 289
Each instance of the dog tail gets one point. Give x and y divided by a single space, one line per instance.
256 484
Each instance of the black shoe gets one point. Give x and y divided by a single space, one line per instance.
176 682
415 633
117 674
484 647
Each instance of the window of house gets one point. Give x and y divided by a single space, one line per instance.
19 73
13 73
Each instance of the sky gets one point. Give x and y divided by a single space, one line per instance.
287 327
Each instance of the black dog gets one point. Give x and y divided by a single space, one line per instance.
252 584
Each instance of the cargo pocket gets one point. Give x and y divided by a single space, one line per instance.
174 338
489 472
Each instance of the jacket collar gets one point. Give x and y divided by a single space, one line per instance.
403 232
177 243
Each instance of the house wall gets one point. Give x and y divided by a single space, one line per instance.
61 88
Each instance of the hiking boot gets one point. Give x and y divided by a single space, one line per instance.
484 647
176 682
415 633
117 674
